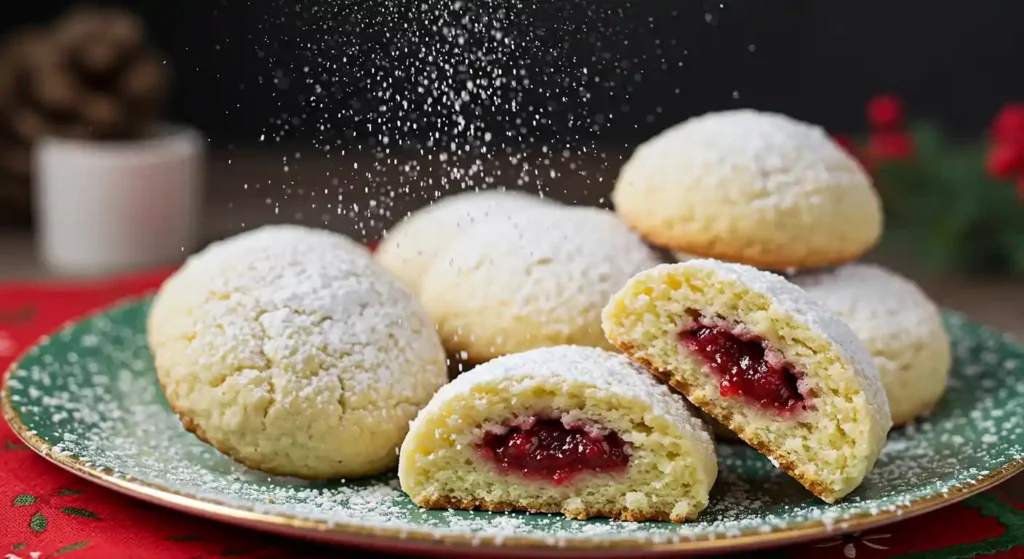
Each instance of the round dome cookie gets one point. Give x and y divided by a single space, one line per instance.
276 234
534 280
759 355
569 429
290 351
900 326
408 249
753 187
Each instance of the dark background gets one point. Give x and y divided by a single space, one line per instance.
240 64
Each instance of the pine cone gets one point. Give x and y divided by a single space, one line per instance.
91 74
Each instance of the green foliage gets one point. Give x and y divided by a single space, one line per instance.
946 212
38 522
75 511
69 548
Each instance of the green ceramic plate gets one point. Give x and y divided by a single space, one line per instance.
87 399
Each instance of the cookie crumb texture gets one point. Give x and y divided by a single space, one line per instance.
754 187
289 350
900 326
570 429
809 397
537 279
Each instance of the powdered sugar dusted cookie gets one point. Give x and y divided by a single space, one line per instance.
409 248
752 187
569 429
289 350
533 280
756 353
900 326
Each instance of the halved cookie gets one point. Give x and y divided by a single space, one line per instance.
759 355
569 429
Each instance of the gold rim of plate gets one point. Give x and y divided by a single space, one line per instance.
282 523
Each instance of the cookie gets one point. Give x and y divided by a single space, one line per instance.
536 279
759 355
568 429
409 248
290 351
752 187
900 326
786 273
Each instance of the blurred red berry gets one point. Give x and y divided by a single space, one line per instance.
885 112
858 152
1005 160
845 142
887 146
1008 125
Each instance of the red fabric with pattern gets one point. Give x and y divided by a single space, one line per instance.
47 512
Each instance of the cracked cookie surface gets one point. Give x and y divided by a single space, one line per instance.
289 350
537 279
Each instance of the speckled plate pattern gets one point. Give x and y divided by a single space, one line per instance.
87 398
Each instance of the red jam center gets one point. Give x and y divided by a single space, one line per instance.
545 449
743 369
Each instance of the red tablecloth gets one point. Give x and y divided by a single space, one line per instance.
46 512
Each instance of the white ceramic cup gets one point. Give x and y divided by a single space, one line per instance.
104 207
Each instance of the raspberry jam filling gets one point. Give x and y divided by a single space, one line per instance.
744 367
554 450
